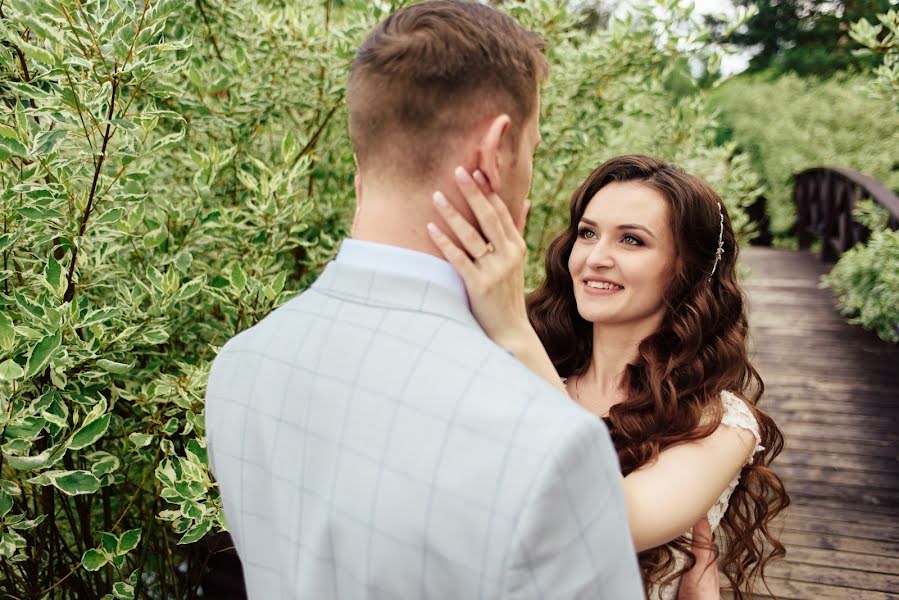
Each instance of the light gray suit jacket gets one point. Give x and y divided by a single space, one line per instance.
371 442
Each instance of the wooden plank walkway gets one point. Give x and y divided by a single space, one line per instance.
834 391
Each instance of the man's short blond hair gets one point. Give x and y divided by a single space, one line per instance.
431 72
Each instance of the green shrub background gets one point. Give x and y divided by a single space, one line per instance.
789 124
866 278
172 171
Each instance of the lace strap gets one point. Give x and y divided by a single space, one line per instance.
738 415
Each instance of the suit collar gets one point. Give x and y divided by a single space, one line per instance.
389 289
402 261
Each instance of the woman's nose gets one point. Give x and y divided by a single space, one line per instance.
600 255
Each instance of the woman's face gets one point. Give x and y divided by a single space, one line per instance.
624 257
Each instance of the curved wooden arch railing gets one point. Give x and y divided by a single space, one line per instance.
825 198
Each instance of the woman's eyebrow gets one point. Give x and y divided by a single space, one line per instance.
635 226
624 226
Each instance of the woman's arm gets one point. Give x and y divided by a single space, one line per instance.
526 346
668 496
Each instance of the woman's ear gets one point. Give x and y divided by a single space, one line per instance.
493 154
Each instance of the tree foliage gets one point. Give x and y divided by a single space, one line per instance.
173 171
792 123
882 39
164 186
806 37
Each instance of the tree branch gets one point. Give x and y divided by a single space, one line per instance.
137 32
212 39
90 30
70 287
318 132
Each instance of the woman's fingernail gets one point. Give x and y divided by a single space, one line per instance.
479 177
461 173
440 200
434 230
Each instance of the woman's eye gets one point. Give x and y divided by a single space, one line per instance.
585 233
632 240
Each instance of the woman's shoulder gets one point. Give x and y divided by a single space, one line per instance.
736 414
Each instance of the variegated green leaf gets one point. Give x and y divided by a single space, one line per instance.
89 432
94 560
10 370
128 541
42 353
73 483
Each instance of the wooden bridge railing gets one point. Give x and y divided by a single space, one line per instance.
825 198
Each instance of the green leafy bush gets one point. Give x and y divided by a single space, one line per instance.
789 124
171 172
865 281
163 187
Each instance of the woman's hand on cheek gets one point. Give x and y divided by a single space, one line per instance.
490 261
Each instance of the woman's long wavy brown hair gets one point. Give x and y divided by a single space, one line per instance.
673 389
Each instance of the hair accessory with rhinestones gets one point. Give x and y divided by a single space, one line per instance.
720 251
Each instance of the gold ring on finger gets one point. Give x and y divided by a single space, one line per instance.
487 250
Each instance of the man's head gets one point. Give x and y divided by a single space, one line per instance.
445 82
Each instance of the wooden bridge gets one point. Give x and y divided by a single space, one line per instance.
834 391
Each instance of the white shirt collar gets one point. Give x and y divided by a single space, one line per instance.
402 261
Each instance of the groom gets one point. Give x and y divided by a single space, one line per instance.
369 440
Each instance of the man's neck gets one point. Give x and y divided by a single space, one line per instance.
402 235
398 217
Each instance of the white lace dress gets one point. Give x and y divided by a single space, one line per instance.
736 414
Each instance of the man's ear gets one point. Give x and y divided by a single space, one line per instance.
493 154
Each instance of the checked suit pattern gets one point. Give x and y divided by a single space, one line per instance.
371 442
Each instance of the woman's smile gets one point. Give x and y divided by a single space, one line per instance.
601 287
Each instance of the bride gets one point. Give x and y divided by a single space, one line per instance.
641 321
